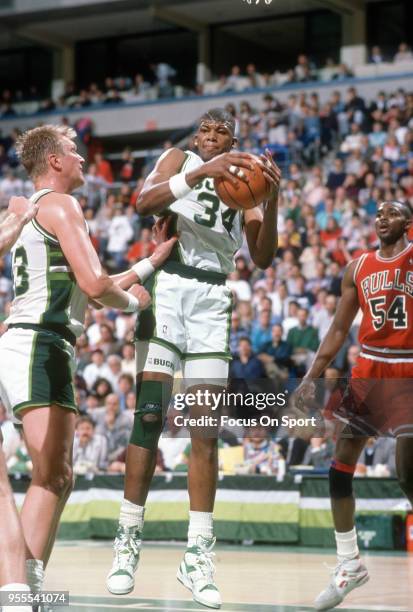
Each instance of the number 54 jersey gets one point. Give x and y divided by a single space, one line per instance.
210 233
385 291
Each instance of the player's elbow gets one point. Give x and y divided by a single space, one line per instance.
96 287
143 203
263 262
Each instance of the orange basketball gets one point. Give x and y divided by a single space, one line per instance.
244 195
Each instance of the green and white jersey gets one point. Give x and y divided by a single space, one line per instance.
210 233
45 289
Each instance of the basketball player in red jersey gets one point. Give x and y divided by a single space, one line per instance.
379 395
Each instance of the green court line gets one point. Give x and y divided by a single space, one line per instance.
111 604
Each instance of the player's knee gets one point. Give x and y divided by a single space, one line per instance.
340 479
56 479
148 421
205 449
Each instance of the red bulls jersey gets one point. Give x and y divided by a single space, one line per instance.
385 291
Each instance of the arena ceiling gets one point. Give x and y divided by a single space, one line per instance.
59 22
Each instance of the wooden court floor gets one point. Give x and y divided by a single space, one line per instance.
251 579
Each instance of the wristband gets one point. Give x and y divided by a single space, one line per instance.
143 269
179 186
133 304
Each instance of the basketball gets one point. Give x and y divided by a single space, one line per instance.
244 195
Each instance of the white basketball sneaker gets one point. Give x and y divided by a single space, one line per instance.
346 576
196 573
127 545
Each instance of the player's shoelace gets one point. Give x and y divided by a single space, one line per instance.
126 551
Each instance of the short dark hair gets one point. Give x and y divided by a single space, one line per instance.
220 115
85 419
407 211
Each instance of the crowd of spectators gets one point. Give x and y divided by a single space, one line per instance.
339 159
163 82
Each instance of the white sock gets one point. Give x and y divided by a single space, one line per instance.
200 523
131 515
347 547
16 586
35 574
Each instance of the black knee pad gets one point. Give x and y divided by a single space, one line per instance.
150 413
341 483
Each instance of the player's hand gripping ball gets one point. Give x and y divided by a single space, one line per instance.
250 190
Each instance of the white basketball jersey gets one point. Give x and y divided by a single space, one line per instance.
210 233
45 289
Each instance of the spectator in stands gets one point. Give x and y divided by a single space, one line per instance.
90 449
128 359
276 355
303 340
353 352
320 452
103 168
120 234
376 56
174 441
378 458
261 331
237 332
114 425
404 54
261 454
98 368
125 385
164 73
144 247
246 366
322 320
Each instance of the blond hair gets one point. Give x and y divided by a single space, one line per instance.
34 146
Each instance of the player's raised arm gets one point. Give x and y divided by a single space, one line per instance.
261 229
20 211
67 223
166 184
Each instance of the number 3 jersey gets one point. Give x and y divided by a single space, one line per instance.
45 289
385 291
210 233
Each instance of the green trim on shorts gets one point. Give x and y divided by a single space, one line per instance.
146 322
203 276
191 356
31 364
229 316
29 404
167 345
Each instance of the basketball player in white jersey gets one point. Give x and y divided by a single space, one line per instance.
188 325
12 567
56 270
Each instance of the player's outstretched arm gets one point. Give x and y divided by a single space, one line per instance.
19 212
347 308
166 183
66 221
261 229
143 269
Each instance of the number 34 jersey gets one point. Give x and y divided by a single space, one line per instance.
385 291
45 290
210 233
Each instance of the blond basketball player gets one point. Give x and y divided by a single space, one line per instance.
56 270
